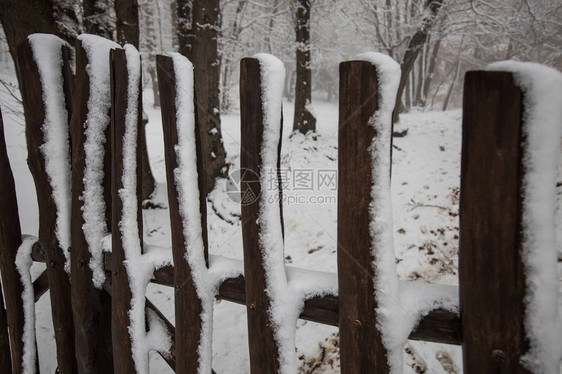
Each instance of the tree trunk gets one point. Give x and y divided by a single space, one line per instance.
97 18
205 58
408 96
183 24
452 86
420 79
127 21
21 18
155 92
412 51
127 25
271 22
304 120
430 71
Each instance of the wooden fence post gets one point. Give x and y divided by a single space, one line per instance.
91 306
361 348
122 294
10 240
59 282
188 306
264 350
491 276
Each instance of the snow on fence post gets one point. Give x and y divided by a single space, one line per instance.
512 125
90 117
132 268
361 345
10 240
43 60
124 361
491 275
189 307
262 224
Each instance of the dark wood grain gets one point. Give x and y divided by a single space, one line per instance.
361 348
40 285
491 274
122 294
264 351
91 306
35 112
188 306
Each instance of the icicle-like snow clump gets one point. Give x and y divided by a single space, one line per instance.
47 53
542 130
98 118
23 264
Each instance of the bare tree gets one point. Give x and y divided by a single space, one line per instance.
227 58
414 47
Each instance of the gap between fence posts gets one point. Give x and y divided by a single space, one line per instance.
122 294
491 274
59 283
361 347
188 306
91 306
264 350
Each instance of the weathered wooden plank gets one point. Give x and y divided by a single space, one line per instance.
264 350
91 306
188 306
491 275
35 113
10 240
122 293
361 347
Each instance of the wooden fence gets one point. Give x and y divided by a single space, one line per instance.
91 324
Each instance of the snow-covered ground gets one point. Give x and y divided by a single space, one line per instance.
425 193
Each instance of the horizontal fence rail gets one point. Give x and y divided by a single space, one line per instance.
438 326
